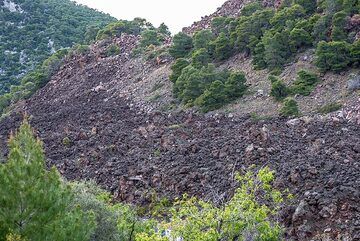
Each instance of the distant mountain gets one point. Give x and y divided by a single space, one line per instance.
31 30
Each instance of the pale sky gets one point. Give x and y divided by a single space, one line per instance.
176 14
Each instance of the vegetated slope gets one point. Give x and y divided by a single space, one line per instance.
114 119
31 30
94 128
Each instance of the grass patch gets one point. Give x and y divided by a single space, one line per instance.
326 109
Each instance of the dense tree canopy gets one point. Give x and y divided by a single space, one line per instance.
37 29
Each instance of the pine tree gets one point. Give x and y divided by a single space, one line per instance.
222 47
35 203
200 58
182 45
235 86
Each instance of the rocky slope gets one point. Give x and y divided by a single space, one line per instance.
114 120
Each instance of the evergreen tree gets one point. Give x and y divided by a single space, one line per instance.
149 37
322 29
355 53
34 202
177 67
163 29
278 89
213 98
339 23
334 56
200 58
202 39
182 45
277 49
290 108
235 86
308 5
222 47
300 38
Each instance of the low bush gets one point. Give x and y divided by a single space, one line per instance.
330 108
305 83
290 108
112 50
278 89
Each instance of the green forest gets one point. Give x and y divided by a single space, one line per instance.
32 30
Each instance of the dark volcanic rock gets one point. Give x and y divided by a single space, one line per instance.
133 152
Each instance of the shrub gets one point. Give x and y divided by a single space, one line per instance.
182 45
334 56
114 222
243 216
223 49
305 83
213 98
300 38
330 108
290 108
339 23
177 67
202 39
163 29
149 37
321 31
309 5
251 8
112 50
355 53
200 58
276 49
235 85
189 85
278 89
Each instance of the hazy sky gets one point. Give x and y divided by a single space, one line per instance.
174 13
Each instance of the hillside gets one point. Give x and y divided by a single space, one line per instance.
112 114
33 30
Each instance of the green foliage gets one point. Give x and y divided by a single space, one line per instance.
200 58
176 68
112 50
281 17
330 108
34 202
300 38
213 97
202 39
114 222
235 85
304 83
355 53
338 29
182 45
33 80
163 29
238 219
44 26
309 5
251 8
278 89
290 108
277 49
223 49
322 28
149 37
116 29
334 56
189 85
